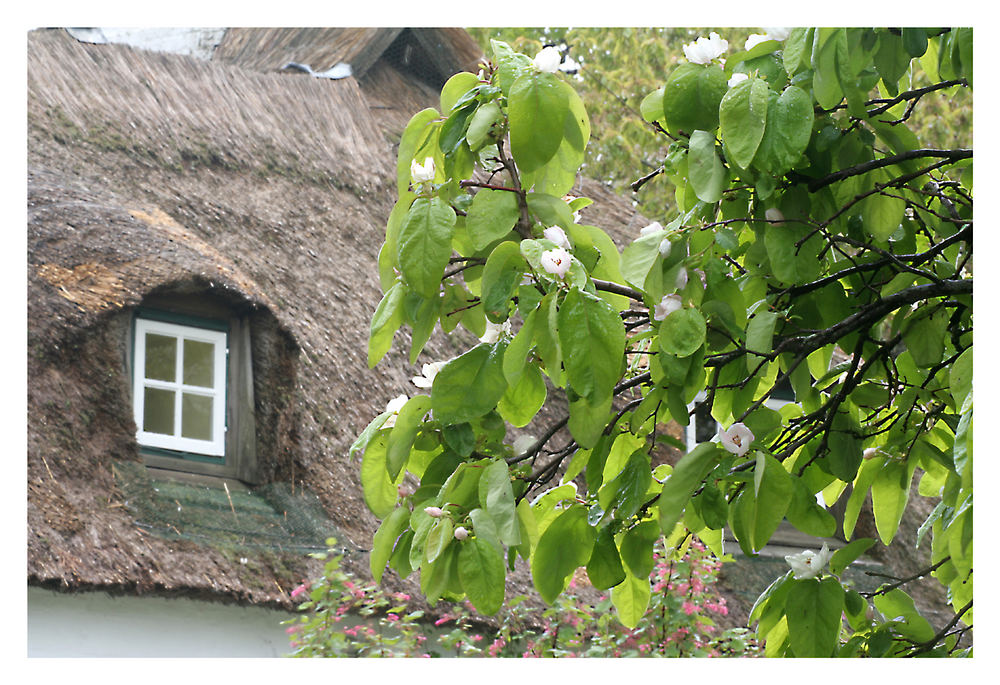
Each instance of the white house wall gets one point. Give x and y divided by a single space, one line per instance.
95 624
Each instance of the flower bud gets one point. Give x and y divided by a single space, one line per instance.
870 453
774 215
461 533
433 512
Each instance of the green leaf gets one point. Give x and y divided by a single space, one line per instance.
814 608
627 492
925 336
481 571
497 497
687 474
566 545
455 87
550 210
522 400
651 106
682 332
787 131
425 244
605 566
631 599
807 515
587 421
760 334
592 338
384 540
859 493
470 385
404 432
743 116
639 257
439 537
914 41
890 493
773 488
492 216
846 555
378 489
517 351
538 105
882 215
387 319
638 543
422 315
829 50
897 605
845 448
705 169
960 378
501 277
414 136
482 123
691 97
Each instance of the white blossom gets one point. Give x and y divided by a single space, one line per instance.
736 78
570 65
774 215
422 173
557 261
429 371
433 512
809 564
652 228
665 248
682 279
494 331
778 33
737 439
548 59
557 235
870 453
704 50
461 533
394 405
754 40
668 305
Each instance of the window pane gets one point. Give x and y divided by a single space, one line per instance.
199 358
161 357
196 417
158 411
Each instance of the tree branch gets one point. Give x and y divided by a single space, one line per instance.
865 167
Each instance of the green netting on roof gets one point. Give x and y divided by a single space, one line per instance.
268 517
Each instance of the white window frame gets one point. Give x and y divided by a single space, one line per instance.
216 447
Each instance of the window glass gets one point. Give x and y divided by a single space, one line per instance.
161 357
158 411
196 417
198 367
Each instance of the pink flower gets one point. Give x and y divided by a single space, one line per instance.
443 619
689 608
300 590
392 617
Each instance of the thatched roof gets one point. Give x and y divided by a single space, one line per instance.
151 173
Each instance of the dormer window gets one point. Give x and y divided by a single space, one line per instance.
179 387
193 387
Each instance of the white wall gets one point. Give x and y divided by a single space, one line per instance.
95 624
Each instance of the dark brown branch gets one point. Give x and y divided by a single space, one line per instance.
858 169
611 287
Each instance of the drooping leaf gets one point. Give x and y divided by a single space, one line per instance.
631 599
605 566
425 244
566 545
481 570
492 216
592 338
742 117
470 385
814 609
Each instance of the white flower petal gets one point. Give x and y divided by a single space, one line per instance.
556 262
667 306
737 439
736 78
558 236
754 40
548 59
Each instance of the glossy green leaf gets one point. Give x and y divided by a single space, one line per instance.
566 545
890 493
772 493
897 605
605 566
470 385
627 492
414 135
814 608
829 50
387 319
631 599
705 169
691 97
505 267
682 332
637 546
481 571
847 554
378 489
538 105
384 540
787 131
497 497
492 216
686 476
401 437
592 338
743 116
522 400
425 244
